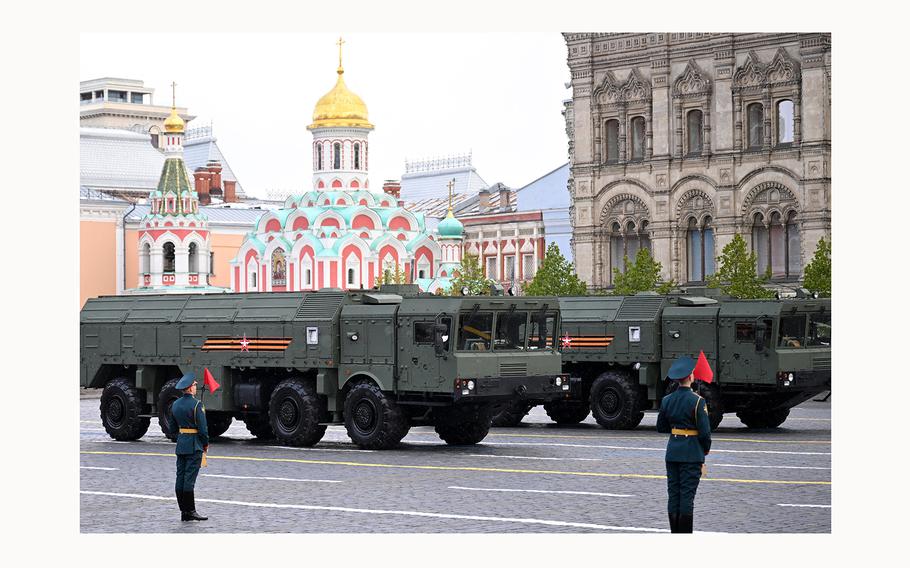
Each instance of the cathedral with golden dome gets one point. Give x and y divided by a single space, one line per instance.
341 233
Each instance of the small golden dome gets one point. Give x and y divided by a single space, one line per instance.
340 107
174 124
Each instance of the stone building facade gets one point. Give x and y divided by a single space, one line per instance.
679 141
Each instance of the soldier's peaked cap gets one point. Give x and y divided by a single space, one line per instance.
186 381
681 368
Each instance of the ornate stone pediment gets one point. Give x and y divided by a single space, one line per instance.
693 81
637 88
769 195
782 69
623 207
694 203
608 91
751 74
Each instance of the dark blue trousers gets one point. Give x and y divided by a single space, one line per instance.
682 482
187 470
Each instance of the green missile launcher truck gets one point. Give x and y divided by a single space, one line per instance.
767 356
291 363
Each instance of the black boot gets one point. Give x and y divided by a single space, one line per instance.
191 514
685 523
674 522
181 502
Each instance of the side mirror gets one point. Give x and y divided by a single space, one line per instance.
440 336
761 331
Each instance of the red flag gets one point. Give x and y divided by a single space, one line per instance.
210 381
702 369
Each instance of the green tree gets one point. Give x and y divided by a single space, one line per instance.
555 277
817 277
737 275
390 276
641 276
470 276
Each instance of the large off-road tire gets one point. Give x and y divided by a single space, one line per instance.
513 413
567 412
763 418
372 419
464 425
258 425
218 422
615 401
166 397
711 393
294 412
121 405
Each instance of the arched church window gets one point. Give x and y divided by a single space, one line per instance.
625 242
336 155
169 257
785 122
352 268
700 249
638 138
193 258
694 132
319 156
423 267
356 156
145 259
756 125
612 131
279 268
760 243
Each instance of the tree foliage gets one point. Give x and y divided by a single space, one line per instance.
389 276
817 277
737 275
641 276
470 276
556 277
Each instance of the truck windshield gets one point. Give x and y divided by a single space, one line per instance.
819 330
792 331
475 331
542 329
511 330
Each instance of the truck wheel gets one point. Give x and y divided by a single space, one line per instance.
121 405
218 423
763 418
258 425
615 401
372 419
166 397
464 425
294 414
512 414
564 412
711 393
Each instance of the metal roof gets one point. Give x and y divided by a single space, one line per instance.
216 215
113 159
424 185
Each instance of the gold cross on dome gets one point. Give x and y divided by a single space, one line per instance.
173 94
451 188
340 43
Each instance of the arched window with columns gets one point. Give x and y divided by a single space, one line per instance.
755 114
145 257
774 212
193 258
170 257
336 155
638 138
612 137
694 128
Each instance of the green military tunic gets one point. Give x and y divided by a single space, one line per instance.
683 410
187 413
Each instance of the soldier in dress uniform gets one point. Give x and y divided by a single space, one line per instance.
188 415
684 415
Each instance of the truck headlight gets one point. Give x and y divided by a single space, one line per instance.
470 385
558 381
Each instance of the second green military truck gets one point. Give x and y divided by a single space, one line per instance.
767 356
291 363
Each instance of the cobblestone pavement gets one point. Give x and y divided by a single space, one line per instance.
537 477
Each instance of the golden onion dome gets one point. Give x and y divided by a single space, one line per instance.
174 124
340 107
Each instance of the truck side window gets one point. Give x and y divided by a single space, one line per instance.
542 329
423 332
819 330
792 331
475 332
511 329
745 332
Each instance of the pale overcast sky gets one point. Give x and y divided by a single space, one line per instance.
498 95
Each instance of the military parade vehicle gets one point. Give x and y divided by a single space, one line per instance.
767 356
291 363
